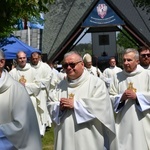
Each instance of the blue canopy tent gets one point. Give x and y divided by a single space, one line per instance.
12 45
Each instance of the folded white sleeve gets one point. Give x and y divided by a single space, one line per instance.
144 104
82 115
54 111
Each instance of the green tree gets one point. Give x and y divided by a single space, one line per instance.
125 40
12 10
83 48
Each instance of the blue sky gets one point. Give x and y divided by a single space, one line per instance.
86 38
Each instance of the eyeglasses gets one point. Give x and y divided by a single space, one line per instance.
2 59
144 55
72 65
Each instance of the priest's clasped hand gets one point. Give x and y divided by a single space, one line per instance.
128 94
66 103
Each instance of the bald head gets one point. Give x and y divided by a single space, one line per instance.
21 59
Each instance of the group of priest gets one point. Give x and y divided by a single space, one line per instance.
89 109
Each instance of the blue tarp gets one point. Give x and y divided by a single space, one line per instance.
12 45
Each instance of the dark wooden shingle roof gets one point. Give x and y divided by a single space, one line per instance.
63 23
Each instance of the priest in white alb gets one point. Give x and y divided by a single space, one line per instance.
26 75
111 71
87 59
130 94
43 75
19 128
81 110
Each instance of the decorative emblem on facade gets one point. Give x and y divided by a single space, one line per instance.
102 10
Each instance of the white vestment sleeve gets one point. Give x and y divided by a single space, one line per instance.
82 115
107 80
144 104
55 112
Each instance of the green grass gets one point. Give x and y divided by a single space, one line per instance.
48 139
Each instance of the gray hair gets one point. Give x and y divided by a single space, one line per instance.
2 55
128 50
73 52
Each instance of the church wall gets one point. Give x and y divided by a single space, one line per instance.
104 42
32 38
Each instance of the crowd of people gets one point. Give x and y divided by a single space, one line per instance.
89 109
